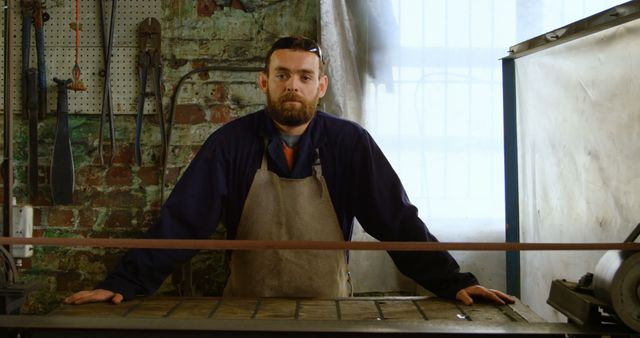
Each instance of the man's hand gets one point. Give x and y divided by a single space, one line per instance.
94 296
466 295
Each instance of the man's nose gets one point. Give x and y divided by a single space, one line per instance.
292 84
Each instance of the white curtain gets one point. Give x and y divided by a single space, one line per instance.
341 50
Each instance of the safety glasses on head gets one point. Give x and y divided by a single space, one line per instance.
295 42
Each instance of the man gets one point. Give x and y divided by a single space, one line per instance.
289 172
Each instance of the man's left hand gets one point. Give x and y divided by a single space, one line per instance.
467 294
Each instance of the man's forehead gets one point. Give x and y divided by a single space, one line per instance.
294 60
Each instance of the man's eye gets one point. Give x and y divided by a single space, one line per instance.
281 76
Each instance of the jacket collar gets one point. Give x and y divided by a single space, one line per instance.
312 139
313 135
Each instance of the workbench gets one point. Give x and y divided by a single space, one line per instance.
274 317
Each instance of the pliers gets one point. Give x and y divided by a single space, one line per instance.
107 104
150 58
34 15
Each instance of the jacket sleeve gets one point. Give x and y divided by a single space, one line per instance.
192 211
382 207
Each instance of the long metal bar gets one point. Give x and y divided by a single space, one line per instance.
312 245
512 207
7 163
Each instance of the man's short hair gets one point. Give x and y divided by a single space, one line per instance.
295 42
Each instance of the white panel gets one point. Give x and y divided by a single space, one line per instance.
579 152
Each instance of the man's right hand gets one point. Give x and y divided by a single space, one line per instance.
94 296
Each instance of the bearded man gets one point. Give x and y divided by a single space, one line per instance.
289 172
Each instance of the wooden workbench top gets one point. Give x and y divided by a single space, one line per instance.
275 317
377 308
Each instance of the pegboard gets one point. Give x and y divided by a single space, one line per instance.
60 54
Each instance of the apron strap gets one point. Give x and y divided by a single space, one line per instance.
263 165
317 168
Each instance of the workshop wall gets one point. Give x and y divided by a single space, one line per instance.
122 199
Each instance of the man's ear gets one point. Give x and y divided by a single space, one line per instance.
323 85
263 80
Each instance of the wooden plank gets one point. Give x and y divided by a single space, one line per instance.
399 310
232 308
276 309
317 310
194 308
153 308
105 309
440 309
358 310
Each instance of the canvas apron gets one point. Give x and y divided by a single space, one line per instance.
288 209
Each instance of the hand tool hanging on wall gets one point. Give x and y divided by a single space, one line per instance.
33 14
33 109
6 169
62 175
77 84
27 22
107 104
150 58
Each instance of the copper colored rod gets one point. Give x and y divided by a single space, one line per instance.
313 245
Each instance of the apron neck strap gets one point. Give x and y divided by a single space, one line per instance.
263 165
317 168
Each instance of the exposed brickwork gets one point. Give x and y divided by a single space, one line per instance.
121 218
58 217
90 175
41 198
37 217
207 7
124 154
119 176
149 176
88 217
189 114
218 93
220 114
171 177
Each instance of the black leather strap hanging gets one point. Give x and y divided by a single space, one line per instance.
62 175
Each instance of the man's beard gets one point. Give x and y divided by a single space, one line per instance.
291 116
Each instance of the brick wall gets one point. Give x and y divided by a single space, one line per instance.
123 199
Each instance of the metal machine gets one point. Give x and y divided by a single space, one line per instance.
12 293
609 296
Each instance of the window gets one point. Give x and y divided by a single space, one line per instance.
441 124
